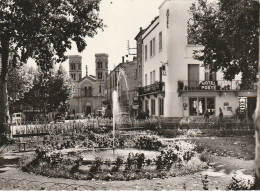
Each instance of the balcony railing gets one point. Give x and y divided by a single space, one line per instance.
156 87
219 85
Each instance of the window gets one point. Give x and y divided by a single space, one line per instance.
193 106
73 76
145 52
79 66
161 106
160 41
115 79
193 76
79 76
151 77
153 46
89 91
153 106
147 106
154 76
100 89
72 66
199 105
100 76
86 91
209 76
190 38
99 64
145 79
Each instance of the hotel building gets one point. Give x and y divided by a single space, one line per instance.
173 83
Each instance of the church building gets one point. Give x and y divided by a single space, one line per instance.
89 91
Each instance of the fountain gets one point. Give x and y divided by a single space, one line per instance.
105 153
116 106
116 110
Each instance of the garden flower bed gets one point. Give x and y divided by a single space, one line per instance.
170 159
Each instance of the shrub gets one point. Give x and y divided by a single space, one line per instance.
148 142
142 115
96 165
139 160
118 163
239 183
166 159
204 157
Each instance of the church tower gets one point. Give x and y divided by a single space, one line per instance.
101 66
75 64
101 71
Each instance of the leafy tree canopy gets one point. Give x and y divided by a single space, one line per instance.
51 91
42 30
20 81
45 29
228 31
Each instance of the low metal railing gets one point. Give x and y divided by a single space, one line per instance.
156 87
219 85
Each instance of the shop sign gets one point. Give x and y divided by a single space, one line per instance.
164 73
167 16
242 105
208 85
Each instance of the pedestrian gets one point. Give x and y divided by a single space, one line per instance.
220 114
206 116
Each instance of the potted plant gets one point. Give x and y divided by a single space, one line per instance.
180 85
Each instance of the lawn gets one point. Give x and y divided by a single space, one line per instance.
242 147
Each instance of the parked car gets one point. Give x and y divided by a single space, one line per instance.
18 117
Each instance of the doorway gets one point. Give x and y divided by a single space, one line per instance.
193 76
88 109
251 106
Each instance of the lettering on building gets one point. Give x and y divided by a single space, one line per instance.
208 85
167 16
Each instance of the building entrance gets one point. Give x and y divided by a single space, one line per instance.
88 109
247 106
251 106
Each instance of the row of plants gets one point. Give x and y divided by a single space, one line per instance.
174 159
223 132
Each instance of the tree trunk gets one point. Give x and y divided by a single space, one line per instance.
257 125
3 84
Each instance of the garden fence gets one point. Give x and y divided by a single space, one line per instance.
24 184
32 128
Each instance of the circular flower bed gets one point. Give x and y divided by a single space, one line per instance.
67 155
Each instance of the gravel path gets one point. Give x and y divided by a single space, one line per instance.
21 180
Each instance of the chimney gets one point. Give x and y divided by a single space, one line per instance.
86 70
123 59
141 29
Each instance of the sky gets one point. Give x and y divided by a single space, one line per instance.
123 19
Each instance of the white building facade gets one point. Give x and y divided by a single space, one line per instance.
185 88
